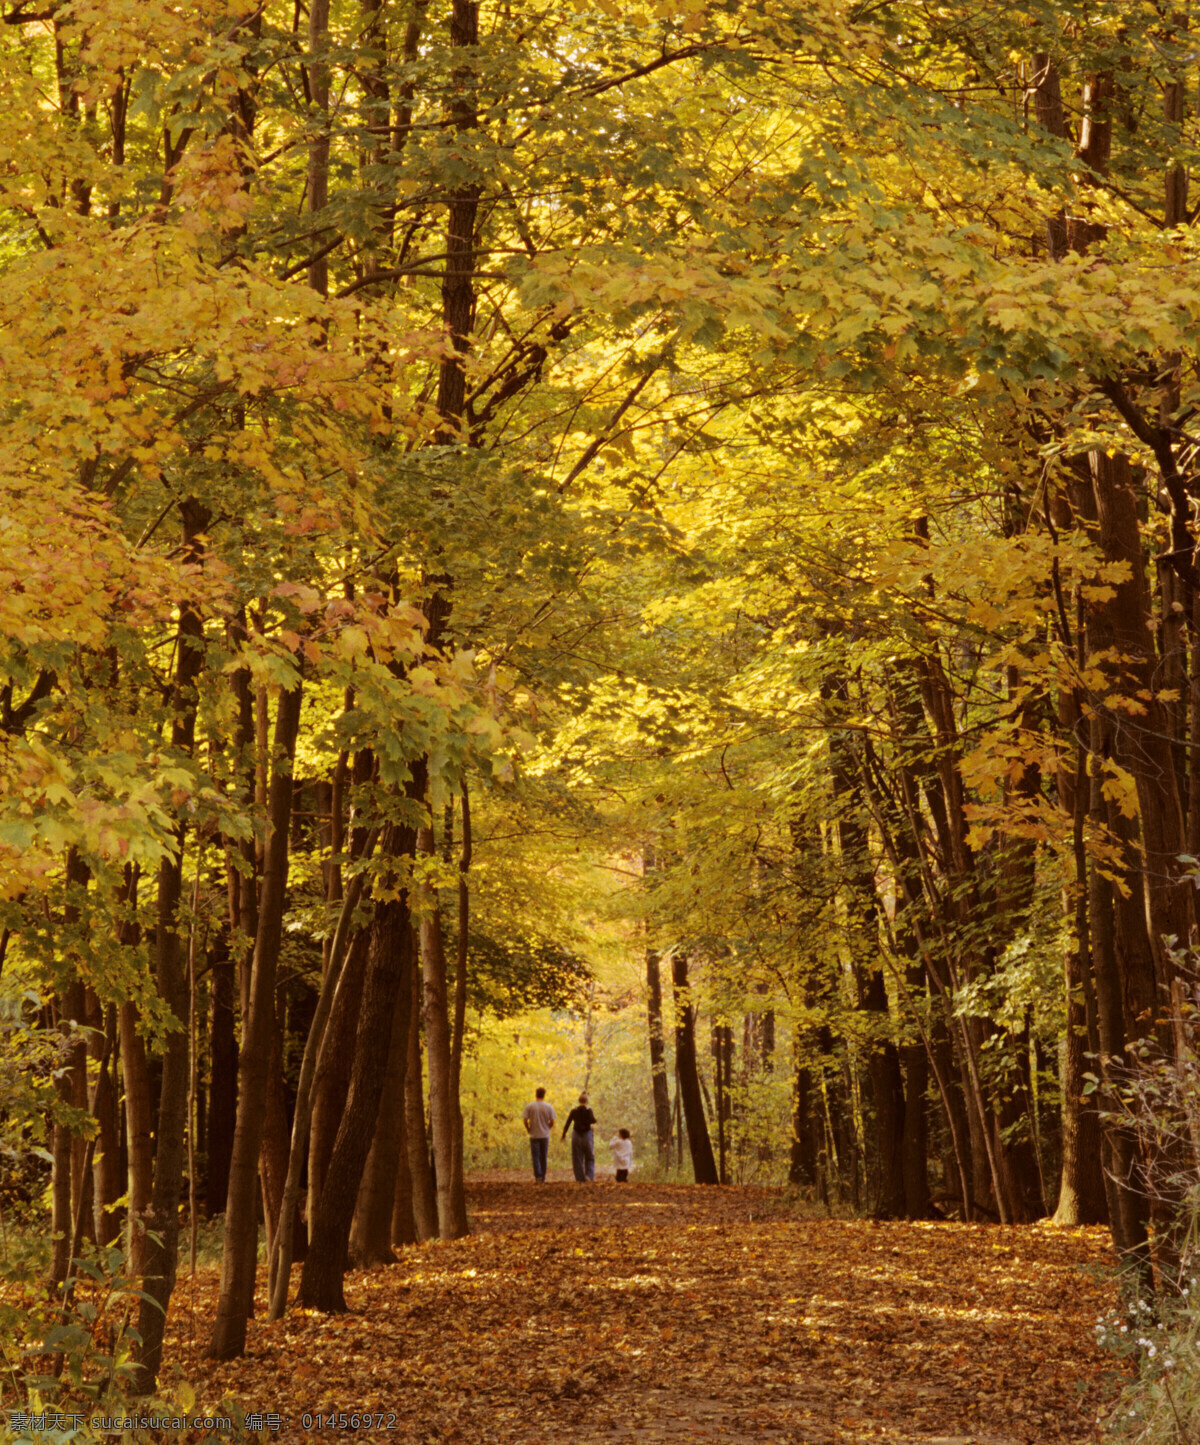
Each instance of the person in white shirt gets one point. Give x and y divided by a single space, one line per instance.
538 1118
622 1147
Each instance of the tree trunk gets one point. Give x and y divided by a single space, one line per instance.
61 1152
722 1052
107 1185
371 1230
273 1153
139 1132
801 1164
316 1047
332 1082
241 1224
857 871
658 1058
887 1092
1142 746
223 1063
1081 1193
1081 1197
162 1239
318 150
451 1199
1126 1203
423 1200
404 1220
389 957
704 1166
462 953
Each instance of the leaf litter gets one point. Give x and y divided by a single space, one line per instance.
662 1313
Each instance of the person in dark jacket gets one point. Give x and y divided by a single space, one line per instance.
581 1121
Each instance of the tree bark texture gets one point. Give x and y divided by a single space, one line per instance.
332 1082
451 1199
389 956
161 1246
371 1230
241 1224
223 1063
423 1198
658 1058
704 1166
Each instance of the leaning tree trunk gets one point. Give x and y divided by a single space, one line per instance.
371 1230
858 879
332 1082
241 1223
315 1047
704 1166
390 955
273 1151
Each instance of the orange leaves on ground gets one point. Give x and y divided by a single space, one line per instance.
667 1312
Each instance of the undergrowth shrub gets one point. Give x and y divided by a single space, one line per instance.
1156 1331
69 1372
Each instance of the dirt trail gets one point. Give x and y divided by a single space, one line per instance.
669 1313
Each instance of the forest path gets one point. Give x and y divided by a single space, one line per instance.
659 1312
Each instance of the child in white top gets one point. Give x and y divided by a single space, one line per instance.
622 1147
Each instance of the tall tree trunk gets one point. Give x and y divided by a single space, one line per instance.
462 954
1142 746
722 1051
451 1198
162 1240
316 1047
241 1225
704 1166
107 1185
389 957
1116 932
61 1148
68 1145
223 1063
273 1153
658 1058
332 1082
371 1230
954 1106
403 1229
914 1144
1081 1194
801 1164
318 150
139 1134
423 1201
857 871
887 1093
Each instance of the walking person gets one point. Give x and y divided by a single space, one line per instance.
622 1148
539 1118
581 1121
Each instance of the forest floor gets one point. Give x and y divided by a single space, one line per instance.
671 1313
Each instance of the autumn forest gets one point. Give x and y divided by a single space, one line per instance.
646 549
